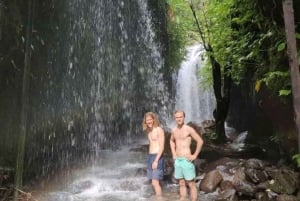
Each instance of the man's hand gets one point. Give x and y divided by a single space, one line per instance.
154 165
191 157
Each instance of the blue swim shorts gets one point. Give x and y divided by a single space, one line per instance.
157 173
184 169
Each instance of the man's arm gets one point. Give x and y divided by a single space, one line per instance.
198 140
173 145
161 141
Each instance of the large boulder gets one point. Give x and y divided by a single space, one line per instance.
211 181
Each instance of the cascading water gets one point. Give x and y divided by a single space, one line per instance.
104 75
196 101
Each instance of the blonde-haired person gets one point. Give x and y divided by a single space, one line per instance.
155 163
184 169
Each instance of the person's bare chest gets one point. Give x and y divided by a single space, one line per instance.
182 135
153 135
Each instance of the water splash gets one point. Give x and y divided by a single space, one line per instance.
115 176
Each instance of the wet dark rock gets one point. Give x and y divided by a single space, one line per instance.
225 185
256 175
284 197
255 163
211 181
198 179
168 166
286 182
141 172
263 186
197 128
81 186
224 161
225 174
208 124
298 194
6 177
241 184
262 196
227 195
272 195
168 170
142 148
200 165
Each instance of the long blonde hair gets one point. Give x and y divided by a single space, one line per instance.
154 117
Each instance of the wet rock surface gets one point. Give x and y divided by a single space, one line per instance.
237 172
239 179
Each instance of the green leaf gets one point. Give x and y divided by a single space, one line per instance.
281 47
284 92
296 158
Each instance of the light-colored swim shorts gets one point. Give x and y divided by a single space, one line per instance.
184 169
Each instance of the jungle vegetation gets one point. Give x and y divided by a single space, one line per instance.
245 43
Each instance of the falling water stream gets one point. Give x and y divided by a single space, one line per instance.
194 99
105 73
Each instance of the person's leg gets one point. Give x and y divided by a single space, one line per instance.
157 187
157 177
193 190
189 176
182 189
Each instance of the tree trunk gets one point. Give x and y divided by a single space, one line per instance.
222 99
24 103
1 19
288 12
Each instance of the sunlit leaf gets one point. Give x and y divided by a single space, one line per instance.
284 92
281 47
257 85
296 158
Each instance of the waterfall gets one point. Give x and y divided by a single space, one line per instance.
197 101
104 73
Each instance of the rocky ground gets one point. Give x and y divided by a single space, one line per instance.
225 172
236 172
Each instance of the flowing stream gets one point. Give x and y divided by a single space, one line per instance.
114 176
117 175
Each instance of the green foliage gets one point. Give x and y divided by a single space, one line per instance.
241 32
207 80
181 31
296 158
278 78
277 138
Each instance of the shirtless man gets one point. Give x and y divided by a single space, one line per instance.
180 142
155 162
